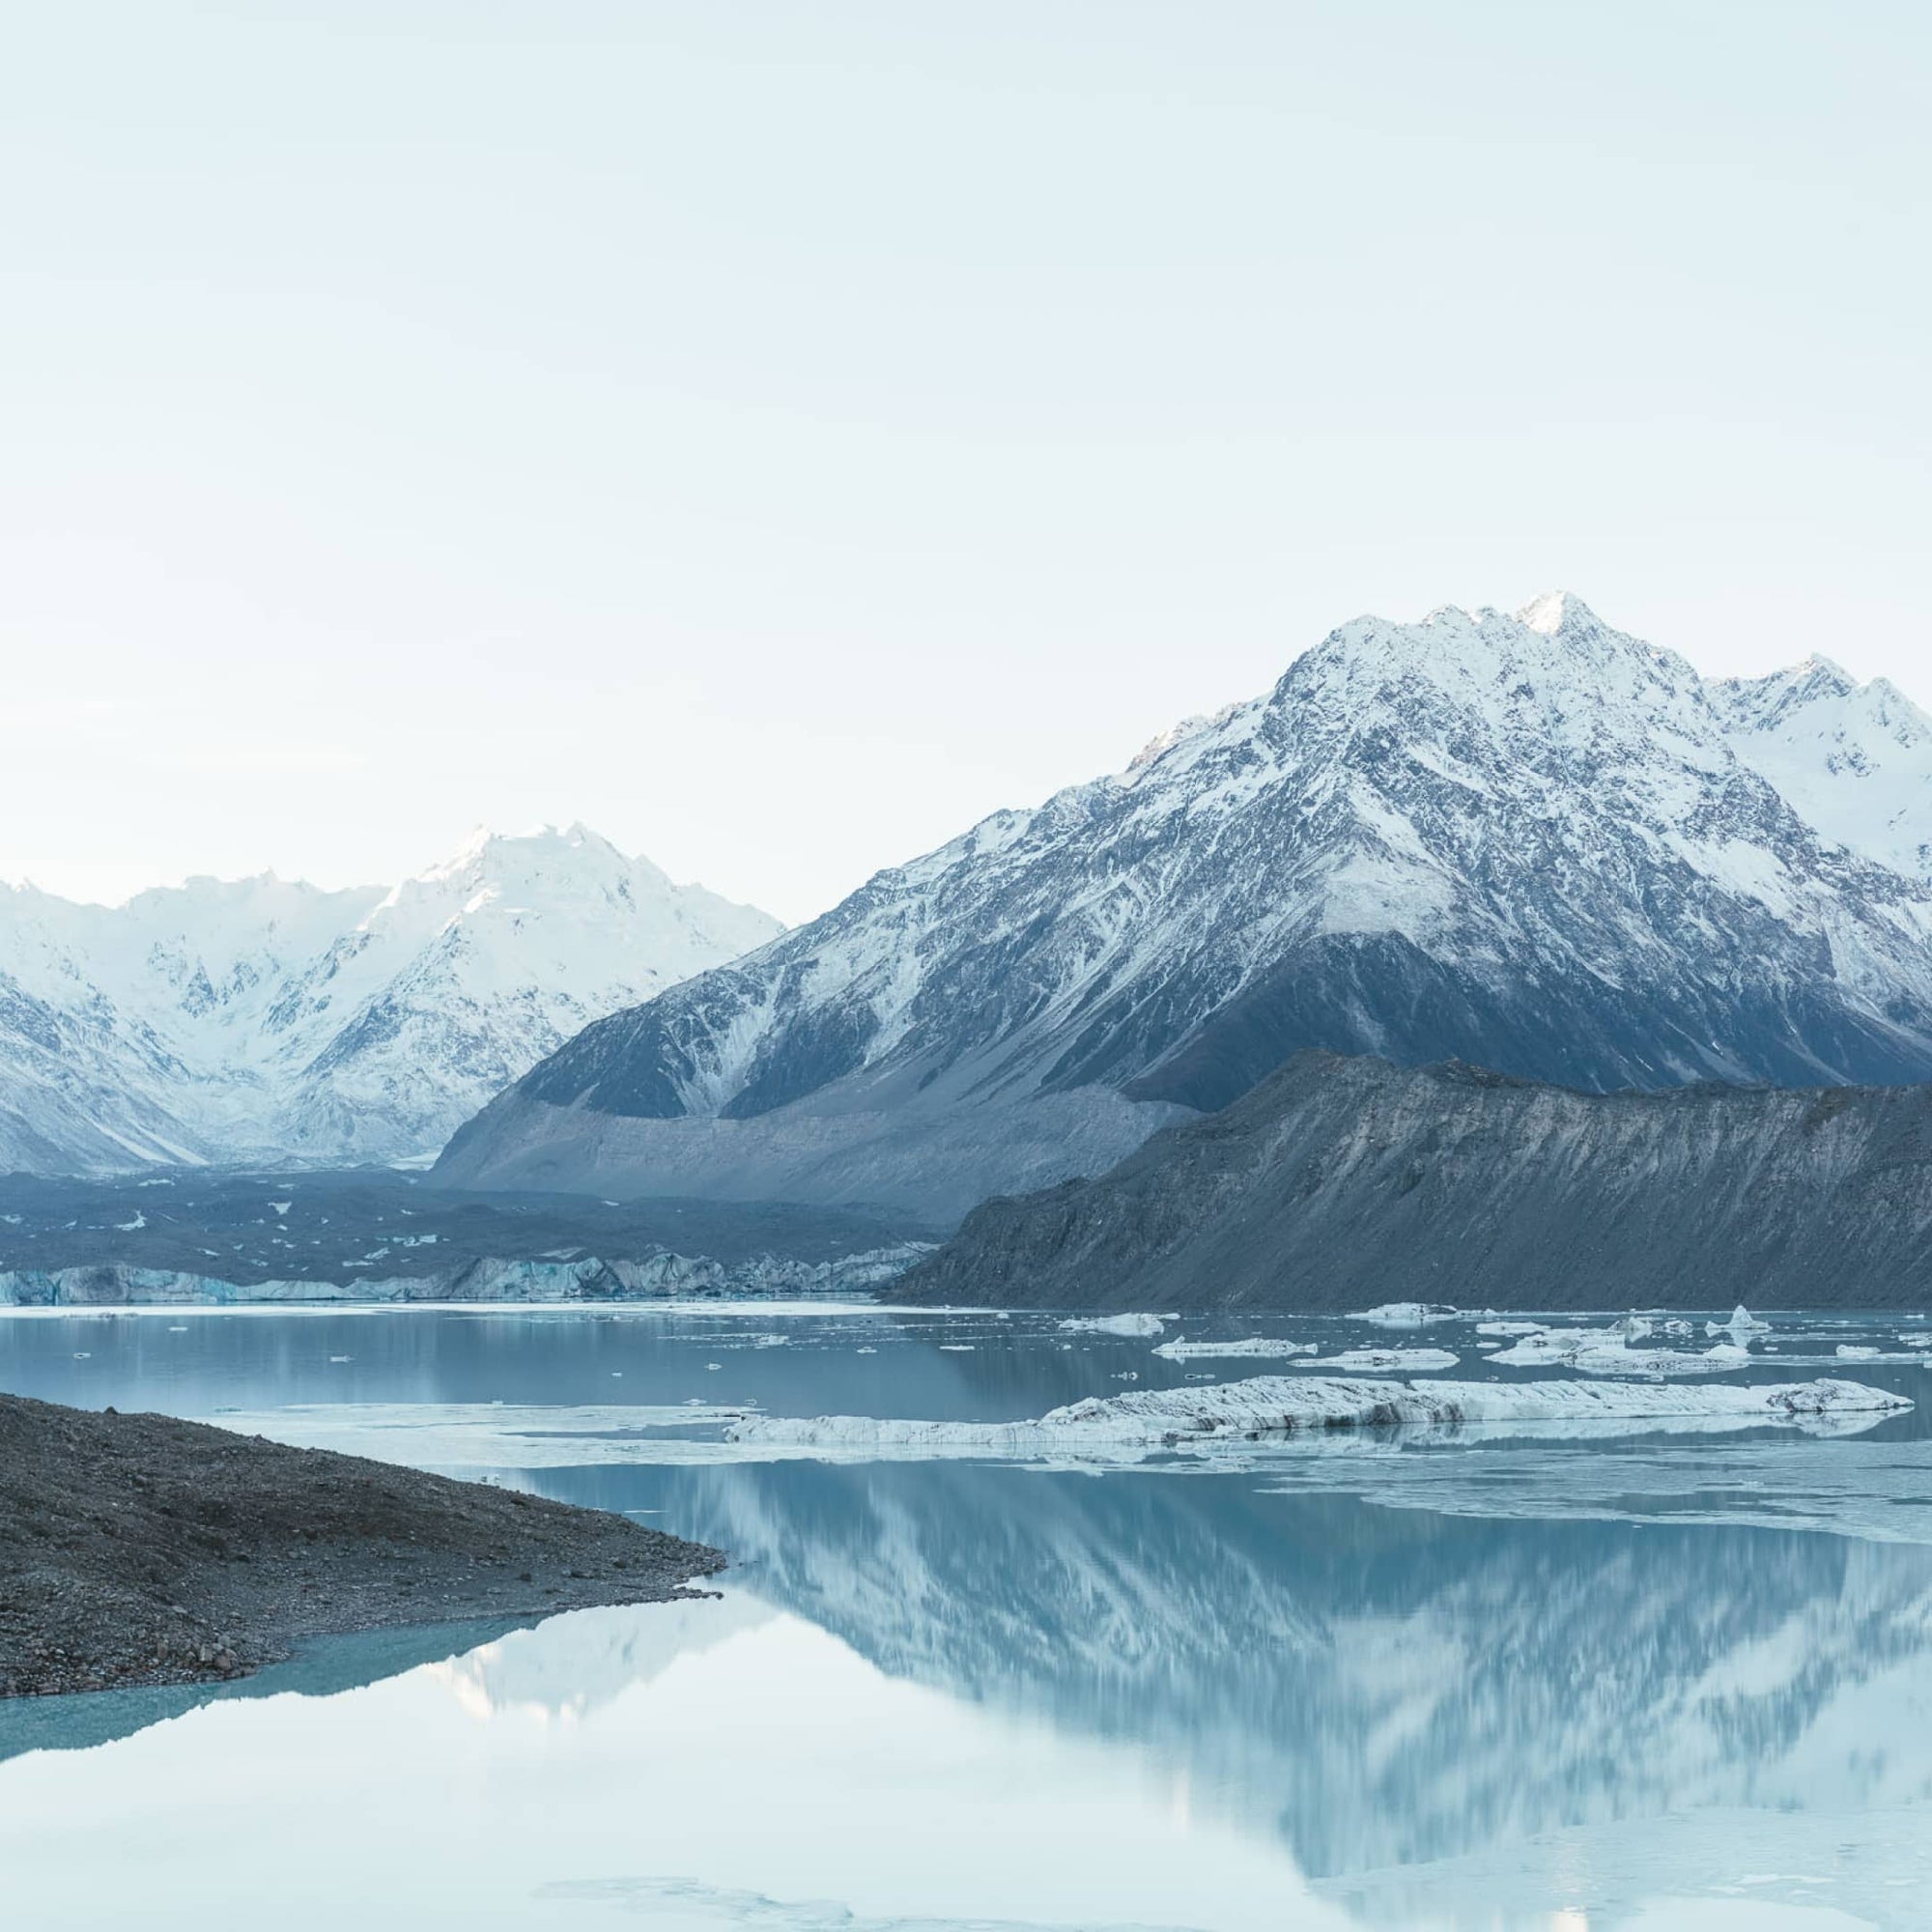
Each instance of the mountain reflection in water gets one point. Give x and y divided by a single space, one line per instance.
1348 1714
1380 1687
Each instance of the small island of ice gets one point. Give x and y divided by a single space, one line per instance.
1609 1352
1256 1346
1288 1407
1387 1362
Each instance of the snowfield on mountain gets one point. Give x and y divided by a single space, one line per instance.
1528 843
264 1021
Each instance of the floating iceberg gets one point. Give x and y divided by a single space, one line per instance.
1741 1323
1384 1361
1114 1324
1256 1346
1607 1351
1285 1406
1406 1314
1387 1362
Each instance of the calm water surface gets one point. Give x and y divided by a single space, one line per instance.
1647 1681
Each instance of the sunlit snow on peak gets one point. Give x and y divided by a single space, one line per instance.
1557 611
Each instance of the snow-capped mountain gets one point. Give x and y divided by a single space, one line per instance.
1854 759
1530 842
257 1019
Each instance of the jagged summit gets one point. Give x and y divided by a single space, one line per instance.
1821 674
1497 661
486 844
1530 842
1854 759
1560 614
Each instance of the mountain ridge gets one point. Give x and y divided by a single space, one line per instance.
267 1019
1340 1182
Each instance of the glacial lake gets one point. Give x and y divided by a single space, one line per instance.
1646 1678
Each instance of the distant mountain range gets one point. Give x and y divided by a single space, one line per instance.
1529 842
261 1021
1339 1183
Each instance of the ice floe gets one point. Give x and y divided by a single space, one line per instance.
1387 1362
1131 1325
1291 1406
1609 1352
1406 1314
1256 1346
488 1434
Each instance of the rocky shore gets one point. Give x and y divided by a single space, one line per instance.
137 1549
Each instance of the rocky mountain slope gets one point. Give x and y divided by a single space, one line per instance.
259 1020
1529 841
1337 1184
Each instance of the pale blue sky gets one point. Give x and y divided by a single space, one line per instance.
779 435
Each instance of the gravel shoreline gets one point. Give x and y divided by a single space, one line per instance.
139 1550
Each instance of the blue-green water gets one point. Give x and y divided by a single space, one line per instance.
1647 1681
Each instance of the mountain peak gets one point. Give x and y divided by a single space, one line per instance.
1557 614
1816 677
484 844
1829 670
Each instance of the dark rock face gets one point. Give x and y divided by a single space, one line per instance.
1381 994
1529 843
1340 1184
